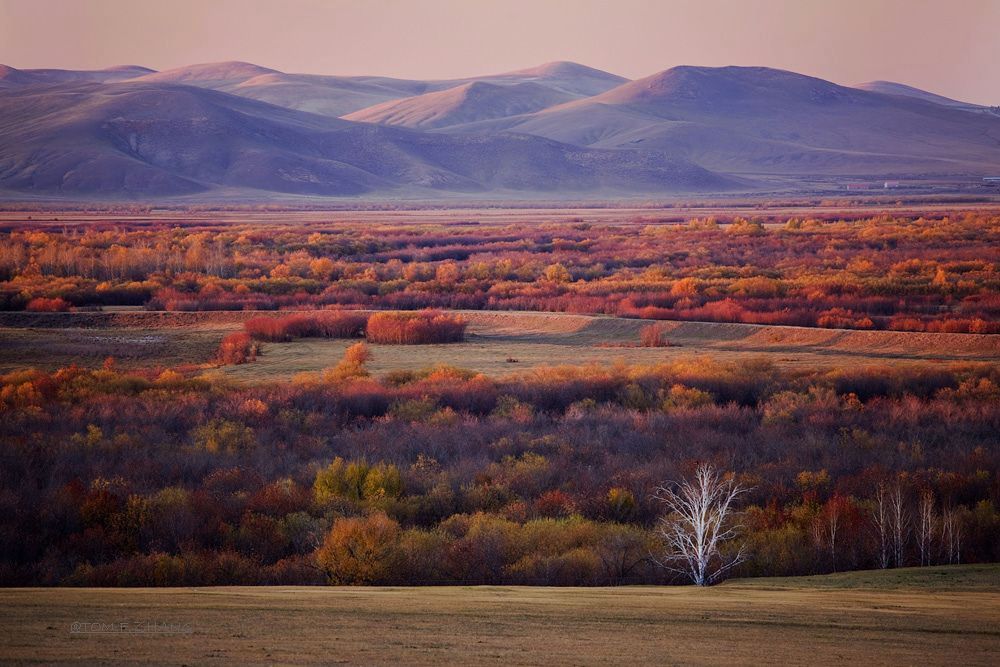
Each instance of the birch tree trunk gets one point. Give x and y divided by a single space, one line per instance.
880 519
926 527
900 524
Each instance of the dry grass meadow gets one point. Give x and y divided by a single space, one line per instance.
139 338
922 616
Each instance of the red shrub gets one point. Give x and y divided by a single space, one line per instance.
415 328
266 328
237 348
340 324
555 503
40 304
301 325
962 325
840 318
906 323
653 336
981 326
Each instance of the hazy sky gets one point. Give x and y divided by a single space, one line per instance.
950 47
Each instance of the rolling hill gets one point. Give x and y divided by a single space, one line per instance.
450 103
467 103
892 88
571 78
340 95
234 128
13 78
754 120
324 95
150 139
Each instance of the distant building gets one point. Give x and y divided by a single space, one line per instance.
891 184
858 186
992 179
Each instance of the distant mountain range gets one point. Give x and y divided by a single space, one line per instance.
562 129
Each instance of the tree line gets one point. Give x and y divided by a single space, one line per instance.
906 273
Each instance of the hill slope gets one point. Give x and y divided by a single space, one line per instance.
893 88
559 127
340 95
571 78
153 139
765 121
325 95
11 77
467 103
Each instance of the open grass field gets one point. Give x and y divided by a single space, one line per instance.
436 213
916 616
532 339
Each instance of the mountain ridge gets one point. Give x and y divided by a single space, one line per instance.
160 139
753 119
894 88
470 102
236 126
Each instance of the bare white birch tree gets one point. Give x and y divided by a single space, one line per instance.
926 527
832 524
900 524
951 535
880 519
697 523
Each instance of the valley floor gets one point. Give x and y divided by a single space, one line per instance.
948 615
498 343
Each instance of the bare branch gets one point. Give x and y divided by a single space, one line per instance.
697 523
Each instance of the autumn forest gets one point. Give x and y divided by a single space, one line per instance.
129 474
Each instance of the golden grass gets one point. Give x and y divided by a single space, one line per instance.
552 339
487 213
742 622
51 340
50 349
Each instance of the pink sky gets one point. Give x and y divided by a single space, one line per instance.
951 47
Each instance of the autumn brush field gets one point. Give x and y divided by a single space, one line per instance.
221 420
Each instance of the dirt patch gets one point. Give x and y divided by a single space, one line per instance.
129 319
